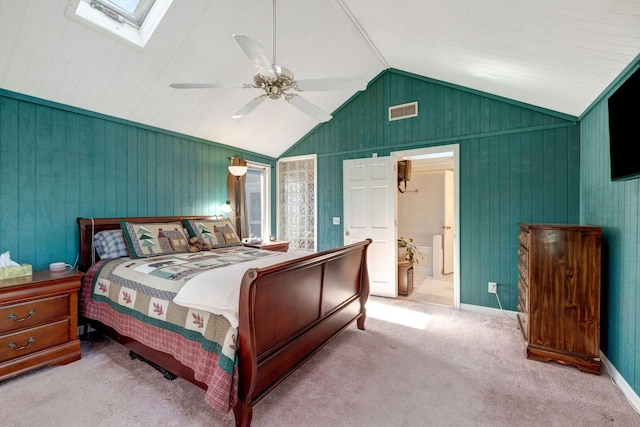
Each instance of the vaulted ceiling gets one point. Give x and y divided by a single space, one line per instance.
555 54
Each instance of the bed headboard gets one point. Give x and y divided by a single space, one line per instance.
90 226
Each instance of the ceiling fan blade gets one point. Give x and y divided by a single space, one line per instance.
209 85
249 107
254 51
332 84
308 108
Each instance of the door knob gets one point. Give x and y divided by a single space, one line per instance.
347 234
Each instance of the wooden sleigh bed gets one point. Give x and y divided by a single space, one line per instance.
286 313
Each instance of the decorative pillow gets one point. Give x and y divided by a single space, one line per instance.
218 233
110 244
152 239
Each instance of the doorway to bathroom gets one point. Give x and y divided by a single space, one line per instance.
427 212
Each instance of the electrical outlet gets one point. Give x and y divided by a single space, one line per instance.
493 288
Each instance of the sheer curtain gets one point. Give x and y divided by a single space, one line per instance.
237 196
297 202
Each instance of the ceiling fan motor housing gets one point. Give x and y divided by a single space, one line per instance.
275 87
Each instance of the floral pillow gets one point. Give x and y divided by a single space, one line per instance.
152 239
219 233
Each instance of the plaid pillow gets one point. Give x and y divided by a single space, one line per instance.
110 244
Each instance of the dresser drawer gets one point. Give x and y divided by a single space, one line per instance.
523 291
523 266
25 314
523 237
35 339
523 255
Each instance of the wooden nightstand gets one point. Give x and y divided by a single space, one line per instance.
405 277
276 245
38 321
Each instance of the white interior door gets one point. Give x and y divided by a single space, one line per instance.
448 228
370 212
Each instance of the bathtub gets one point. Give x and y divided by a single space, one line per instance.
430 262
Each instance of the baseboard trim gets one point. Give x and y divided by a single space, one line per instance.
488 311
621 383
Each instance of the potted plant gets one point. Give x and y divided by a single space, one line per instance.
407 250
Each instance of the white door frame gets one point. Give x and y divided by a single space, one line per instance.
433 151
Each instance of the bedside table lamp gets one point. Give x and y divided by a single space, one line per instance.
226 207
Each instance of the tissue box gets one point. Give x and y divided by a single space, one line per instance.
17 271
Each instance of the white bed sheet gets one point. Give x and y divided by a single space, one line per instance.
218 291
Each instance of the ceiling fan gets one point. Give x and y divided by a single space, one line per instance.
278 82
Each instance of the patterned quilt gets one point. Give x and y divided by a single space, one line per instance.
125 292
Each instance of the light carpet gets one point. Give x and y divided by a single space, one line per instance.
425 365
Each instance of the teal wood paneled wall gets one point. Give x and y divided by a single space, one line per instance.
517 163
614 206
58 163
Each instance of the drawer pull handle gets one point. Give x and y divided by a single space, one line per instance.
22 347
15 319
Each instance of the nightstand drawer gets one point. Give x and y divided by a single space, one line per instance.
35 312
28 341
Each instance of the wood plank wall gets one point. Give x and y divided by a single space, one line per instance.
517 163
58 163
614 206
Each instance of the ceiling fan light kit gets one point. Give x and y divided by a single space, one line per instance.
276 81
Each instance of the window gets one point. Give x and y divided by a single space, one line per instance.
131 20
258 196
297 202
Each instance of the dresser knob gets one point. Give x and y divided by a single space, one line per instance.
15 319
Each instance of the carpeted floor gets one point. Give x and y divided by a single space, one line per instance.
416 365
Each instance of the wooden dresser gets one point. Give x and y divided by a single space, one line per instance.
38 321
559 293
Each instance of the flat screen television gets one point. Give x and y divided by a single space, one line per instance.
624 127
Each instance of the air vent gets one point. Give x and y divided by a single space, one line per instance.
403 111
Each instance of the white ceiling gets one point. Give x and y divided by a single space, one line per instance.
556 54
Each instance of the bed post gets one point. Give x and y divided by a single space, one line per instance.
242 413
364 287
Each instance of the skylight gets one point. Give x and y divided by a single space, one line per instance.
131 11
131 20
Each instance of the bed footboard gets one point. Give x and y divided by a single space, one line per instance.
289 311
